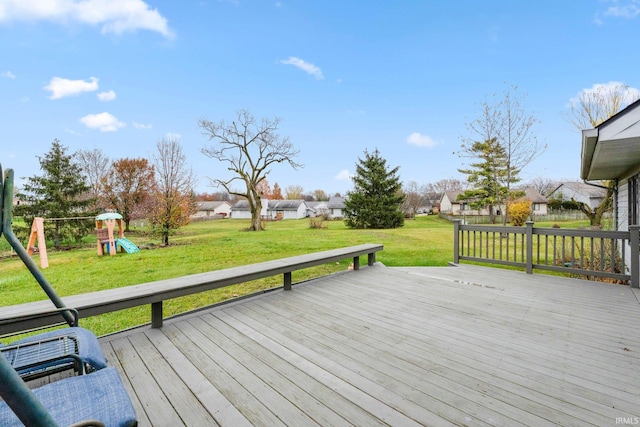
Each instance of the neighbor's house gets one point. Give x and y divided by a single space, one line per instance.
539 203
450 204
318 208
211 210
581 192
432 203
611 151
336 205
287 209
272 209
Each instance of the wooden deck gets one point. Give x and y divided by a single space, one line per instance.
395 346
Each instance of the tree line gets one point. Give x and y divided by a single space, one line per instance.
83 184
501 145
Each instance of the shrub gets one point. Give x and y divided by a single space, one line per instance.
519 211
317 222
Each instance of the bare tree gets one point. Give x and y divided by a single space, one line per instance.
174 199
505 120
588 110
595 105
320 195
412 199
516 136
95 166
447 184
293 192
250 149
543 185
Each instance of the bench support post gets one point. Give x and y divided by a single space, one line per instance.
287 281
356 263
156 314
371 259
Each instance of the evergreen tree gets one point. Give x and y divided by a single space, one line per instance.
489 177
376 200
60 192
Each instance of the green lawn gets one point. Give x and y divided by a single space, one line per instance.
212 245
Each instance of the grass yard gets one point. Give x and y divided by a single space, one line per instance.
213 245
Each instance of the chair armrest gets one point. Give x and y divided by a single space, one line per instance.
41 357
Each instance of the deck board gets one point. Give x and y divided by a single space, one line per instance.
395 346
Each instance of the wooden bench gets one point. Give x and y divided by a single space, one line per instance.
154 293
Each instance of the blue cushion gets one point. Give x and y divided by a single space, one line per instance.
96 396
88 347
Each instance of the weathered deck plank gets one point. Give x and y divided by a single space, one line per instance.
395 346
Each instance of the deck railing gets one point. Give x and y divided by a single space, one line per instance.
611 255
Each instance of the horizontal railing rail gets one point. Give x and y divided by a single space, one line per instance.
154 293
613 255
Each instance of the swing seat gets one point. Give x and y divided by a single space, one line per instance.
54 351
99 396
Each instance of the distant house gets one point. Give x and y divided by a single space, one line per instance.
432 203
318 208
590 195
336 205
539 203
272 209
287 209
211 210
451 205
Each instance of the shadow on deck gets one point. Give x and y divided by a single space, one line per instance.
438 346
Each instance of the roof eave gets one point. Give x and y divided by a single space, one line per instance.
589 142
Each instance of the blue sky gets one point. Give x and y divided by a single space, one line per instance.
402 76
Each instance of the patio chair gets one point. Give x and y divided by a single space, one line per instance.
37 355
53 351
96 399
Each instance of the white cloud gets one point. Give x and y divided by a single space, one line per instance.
107 96
104 122
114 16
343 175
421 140
141 126
304 66
629 10
60 87
8 74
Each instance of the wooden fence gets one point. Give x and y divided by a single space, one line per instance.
613 255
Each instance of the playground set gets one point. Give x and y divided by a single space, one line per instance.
106 225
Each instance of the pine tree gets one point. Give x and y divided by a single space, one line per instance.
61 192
489 177
376 200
